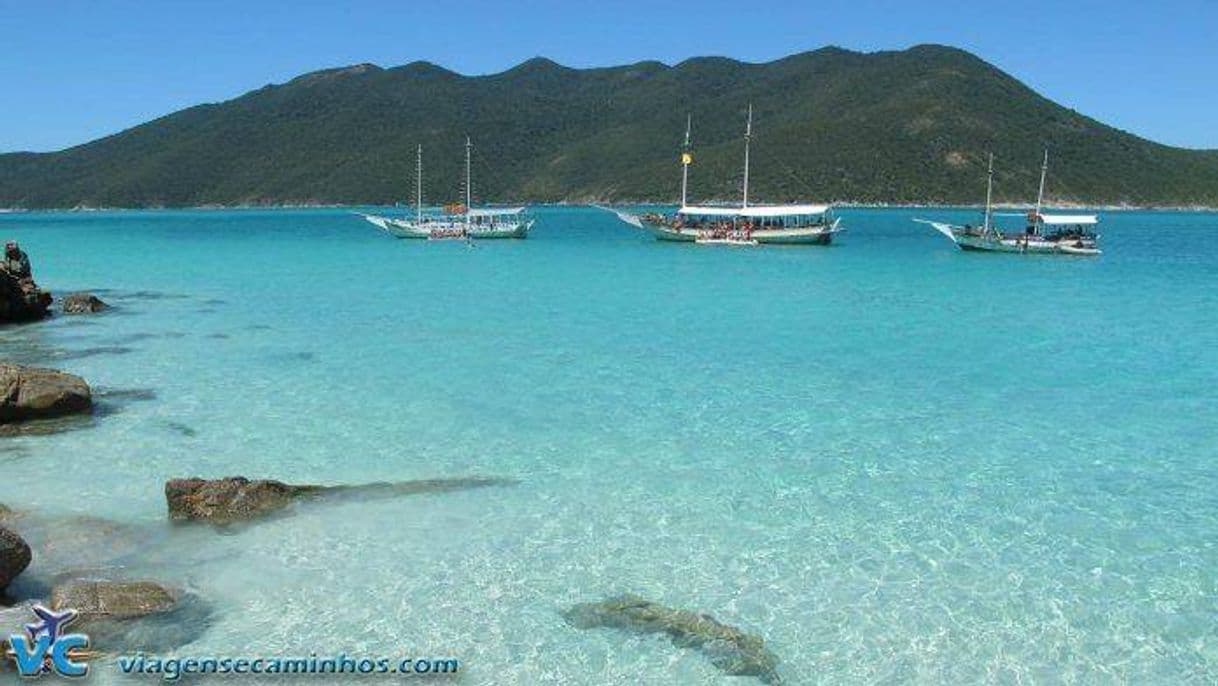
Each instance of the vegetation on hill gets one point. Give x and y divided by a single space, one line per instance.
902 126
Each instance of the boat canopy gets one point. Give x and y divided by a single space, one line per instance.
1068 219
494 211
755 211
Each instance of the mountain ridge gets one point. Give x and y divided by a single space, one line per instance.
895 126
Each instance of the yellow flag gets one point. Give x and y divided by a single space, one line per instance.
687 158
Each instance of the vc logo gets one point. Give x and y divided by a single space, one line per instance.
45 647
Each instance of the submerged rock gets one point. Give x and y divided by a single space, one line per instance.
82 303
727 647
128 616
237 498
34 393
14 556
75 541
102 599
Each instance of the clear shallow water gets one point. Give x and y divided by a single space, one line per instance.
894 461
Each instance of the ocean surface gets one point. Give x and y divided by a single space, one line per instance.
893 461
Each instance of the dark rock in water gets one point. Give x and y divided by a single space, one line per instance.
125 394
46 427
82 303
34 393
149 295
5 512
14 556
234 499
219 336
21 300
182 429
727 647
82 353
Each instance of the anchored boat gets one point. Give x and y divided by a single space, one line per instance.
1063 234
812 224
456 222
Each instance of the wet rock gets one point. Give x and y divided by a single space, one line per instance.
235 499
128 616
82 303
14 556
34 393
728 648
102 599
21 300
229 499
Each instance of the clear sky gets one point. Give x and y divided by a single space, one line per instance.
74 71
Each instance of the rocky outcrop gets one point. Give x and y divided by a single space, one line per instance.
82 303
104 599
33 393
230 499
236 498
728 648
21 301
131 616
14 556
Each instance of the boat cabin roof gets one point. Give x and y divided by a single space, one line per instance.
494 211
754 210
1068 219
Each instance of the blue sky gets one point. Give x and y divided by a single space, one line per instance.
74 71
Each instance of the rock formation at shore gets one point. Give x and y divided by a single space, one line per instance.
728 648
236 498
34 393
14 556
82 303
105 599
21 302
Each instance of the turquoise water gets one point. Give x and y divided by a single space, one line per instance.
894 461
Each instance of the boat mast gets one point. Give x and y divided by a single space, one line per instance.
989 193
748 135
418 191
468 194
1040 195
686 158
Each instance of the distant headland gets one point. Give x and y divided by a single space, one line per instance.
910 127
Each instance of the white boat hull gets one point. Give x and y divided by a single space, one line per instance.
808 235
448 229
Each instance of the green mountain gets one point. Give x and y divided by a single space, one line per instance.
907 126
